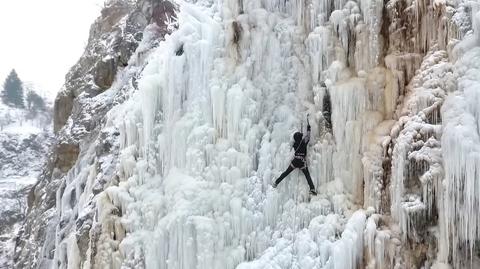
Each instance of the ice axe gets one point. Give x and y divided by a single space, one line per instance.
301 123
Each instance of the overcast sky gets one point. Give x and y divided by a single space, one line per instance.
43 39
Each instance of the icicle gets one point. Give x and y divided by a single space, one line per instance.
460 148
234 111
348 104
318 47
348 251
372 16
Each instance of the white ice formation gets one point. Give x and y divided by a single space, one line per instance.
393 90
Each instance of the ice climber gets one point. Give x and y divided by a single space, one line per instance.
299 160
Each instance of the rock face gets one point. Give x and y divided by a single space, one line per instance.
78 114
178 116
113 38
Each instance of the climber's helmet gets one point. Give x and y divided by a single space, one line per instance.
297 136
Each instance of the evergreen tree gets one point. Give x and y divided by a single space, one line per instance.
13 91
35 102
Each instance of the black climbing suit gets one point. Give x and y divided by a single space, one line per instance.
299 160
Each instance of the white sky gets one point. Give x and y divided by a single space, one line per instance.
43 39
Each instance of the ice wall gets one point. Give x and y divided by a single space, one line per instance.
460 148
213 131
199 137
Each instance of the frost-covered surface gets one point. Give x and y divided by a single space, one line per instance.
170 166
80 108
24 143
460 142
13 195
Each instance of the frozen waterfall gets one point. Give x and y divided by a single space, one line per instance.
394 154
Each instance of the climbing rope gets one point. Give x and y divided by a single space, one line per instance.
295 218
296 207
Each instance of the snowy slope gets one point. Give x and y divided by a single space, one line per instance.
24 144
177 156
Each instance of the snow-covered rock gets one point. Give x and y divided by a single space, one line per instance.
25 140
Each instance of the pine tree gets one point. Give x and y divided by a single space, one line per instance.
12 94
35 102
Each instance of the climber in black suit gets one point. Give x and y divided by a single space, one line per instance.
299 159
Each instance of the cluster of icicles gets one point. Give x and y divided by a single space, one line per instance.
209 129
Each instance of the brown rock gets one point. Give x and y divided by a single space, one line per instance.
66 156
62 109
105 72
